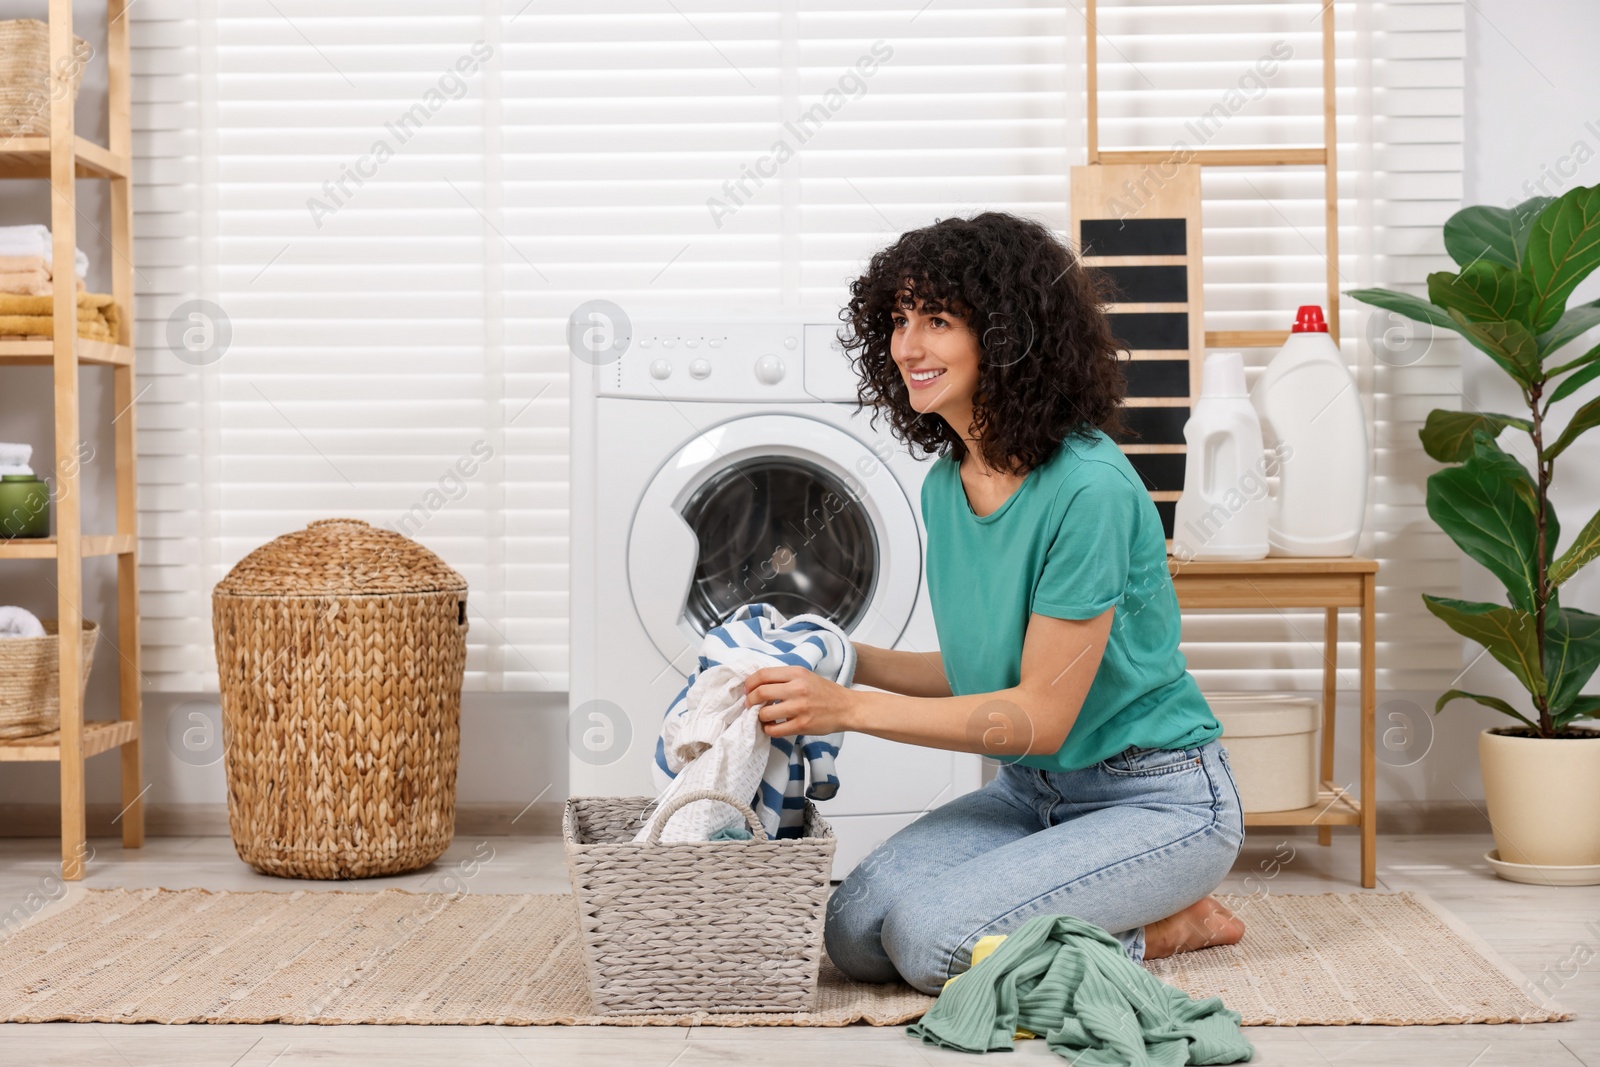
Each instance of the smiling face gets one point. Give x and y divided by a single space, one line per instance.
1031 359
937 353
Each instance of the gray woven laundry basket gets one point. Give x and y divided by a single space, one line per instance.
713 926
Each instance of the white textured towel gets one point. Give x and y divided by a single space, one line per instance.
20 622
710 740
14 458
34 240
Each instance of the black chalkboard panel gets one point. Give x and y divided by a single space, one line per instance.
1157 377
1149 285
1133 237
1169 516
1158 330
1153 426
1160 470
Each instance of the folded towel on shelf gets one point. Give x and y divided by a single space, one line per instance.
33 316
34 240
20 622
26 282
18 263
103 305
711 740
29 276
14 458
33 327
29 264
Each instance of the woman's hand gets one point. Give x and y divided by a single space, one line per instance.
806 702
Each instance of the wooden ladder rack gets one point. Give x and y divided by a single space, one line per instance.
1325 156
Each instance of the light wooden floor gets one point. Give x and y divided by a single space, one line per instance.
1536 928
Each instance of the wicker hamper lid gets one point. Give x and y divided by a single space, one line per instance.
340 557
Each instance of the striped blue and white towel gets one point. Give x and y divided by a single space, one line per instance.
710 740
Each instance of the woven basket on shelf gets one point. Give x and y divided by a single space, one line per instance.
25 81
341 650
30 673
713 926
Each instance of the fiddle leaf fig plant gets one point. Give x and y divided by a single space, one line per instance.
1517 268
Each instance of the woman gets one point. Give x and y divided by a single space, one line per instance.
984 340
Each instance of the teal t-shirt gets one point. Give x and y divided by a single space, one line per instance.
1077 536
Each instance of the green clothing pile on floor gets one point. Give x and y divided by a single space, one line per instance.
1072 982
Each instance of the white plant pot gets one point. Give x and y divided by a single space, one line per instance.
1543 796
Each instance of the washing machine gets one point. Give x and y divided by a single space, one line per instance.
718 461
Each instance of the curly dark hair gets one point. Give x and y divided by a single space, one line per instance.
1048 365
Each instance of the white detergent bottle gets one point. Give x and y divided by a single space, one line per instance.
1222 513
1311 417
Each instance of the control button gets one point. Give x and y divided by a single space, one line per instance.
645 342
693 342
669 342
715 342
769 369
790 343
660 368
700 368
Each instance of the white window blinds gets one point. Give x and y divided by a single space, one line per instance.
394 213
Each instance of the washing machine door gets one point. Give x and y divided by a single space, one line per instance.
778 509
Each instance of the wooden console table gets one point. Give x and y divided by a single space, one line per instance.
1330 582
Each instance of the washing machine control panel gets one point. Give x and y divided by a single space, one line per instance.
796 360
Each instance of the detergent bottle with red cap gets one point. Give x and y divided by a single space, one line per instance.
1313 423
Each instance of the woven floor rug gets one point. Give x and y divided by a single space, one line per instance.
187 956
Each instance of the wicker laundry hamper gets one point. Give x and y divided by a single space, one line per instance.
682 927
30 672
25 79
340 651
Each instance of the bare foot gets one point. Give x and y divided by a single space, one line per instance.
1202 924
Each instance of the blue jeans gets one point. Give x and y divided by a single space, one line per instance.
1126 842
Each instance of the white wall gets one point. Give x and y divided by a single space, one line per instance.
1532 87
